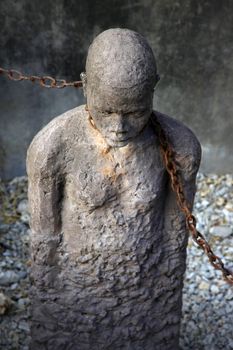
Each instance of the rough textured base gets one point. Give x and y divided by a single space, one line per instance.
110 301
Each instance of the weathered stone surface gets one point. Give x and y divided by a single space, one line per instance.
5 303
8 277
221 231
108 241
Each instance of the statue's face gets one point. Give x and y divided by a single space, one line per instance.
119 114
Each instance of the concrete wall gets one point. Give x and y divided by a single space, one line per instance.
192 40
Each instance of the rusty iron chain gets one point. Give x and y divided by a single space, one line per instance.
176 184
44 81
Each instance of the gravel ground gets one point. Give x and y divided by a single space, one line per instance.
207 300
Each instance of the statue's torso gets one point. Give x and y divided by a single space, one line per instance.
115 198
116 269
113 241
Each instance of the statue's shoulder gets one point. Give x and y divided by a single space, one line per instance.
184 142
50 143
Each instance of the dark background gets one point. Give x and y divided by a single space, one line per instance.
192 41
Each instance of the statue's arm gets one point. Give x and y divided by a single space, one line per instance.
45 192
187 157
188 165
187 169
187 151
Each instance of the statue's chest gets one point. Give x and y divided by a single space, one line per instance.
136 178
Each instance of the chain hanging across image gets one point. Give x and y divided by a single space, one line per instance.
45 81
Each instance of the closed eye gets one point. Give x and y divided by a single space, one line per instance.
137 114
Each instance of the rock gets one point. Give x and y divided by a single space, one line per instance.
23 210
220 201
23 325
14 286
205 203
214 289
4 228
25 218
23 206
204 285
5 303
228 216
23 302
229 295
229 207
3 263
22 274
14 325
8 277
221 231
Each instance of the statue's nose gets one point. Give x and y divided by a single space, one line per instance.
119 124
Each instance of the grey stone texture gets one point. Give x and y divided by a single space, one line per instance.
191 39
108 241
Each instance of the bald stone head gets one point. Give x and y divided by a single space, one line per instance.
121 75
121 58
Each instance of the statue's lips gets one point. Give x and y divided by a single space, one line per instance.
119 139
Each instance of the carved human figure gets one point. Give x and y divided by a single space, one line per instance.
108 241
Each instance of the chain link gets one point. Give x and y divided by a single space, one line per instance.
44 81
177 187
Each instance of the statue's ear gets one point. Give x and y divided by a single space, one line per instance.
83 77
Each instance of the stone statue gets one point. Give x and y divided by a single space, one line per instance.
108 241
